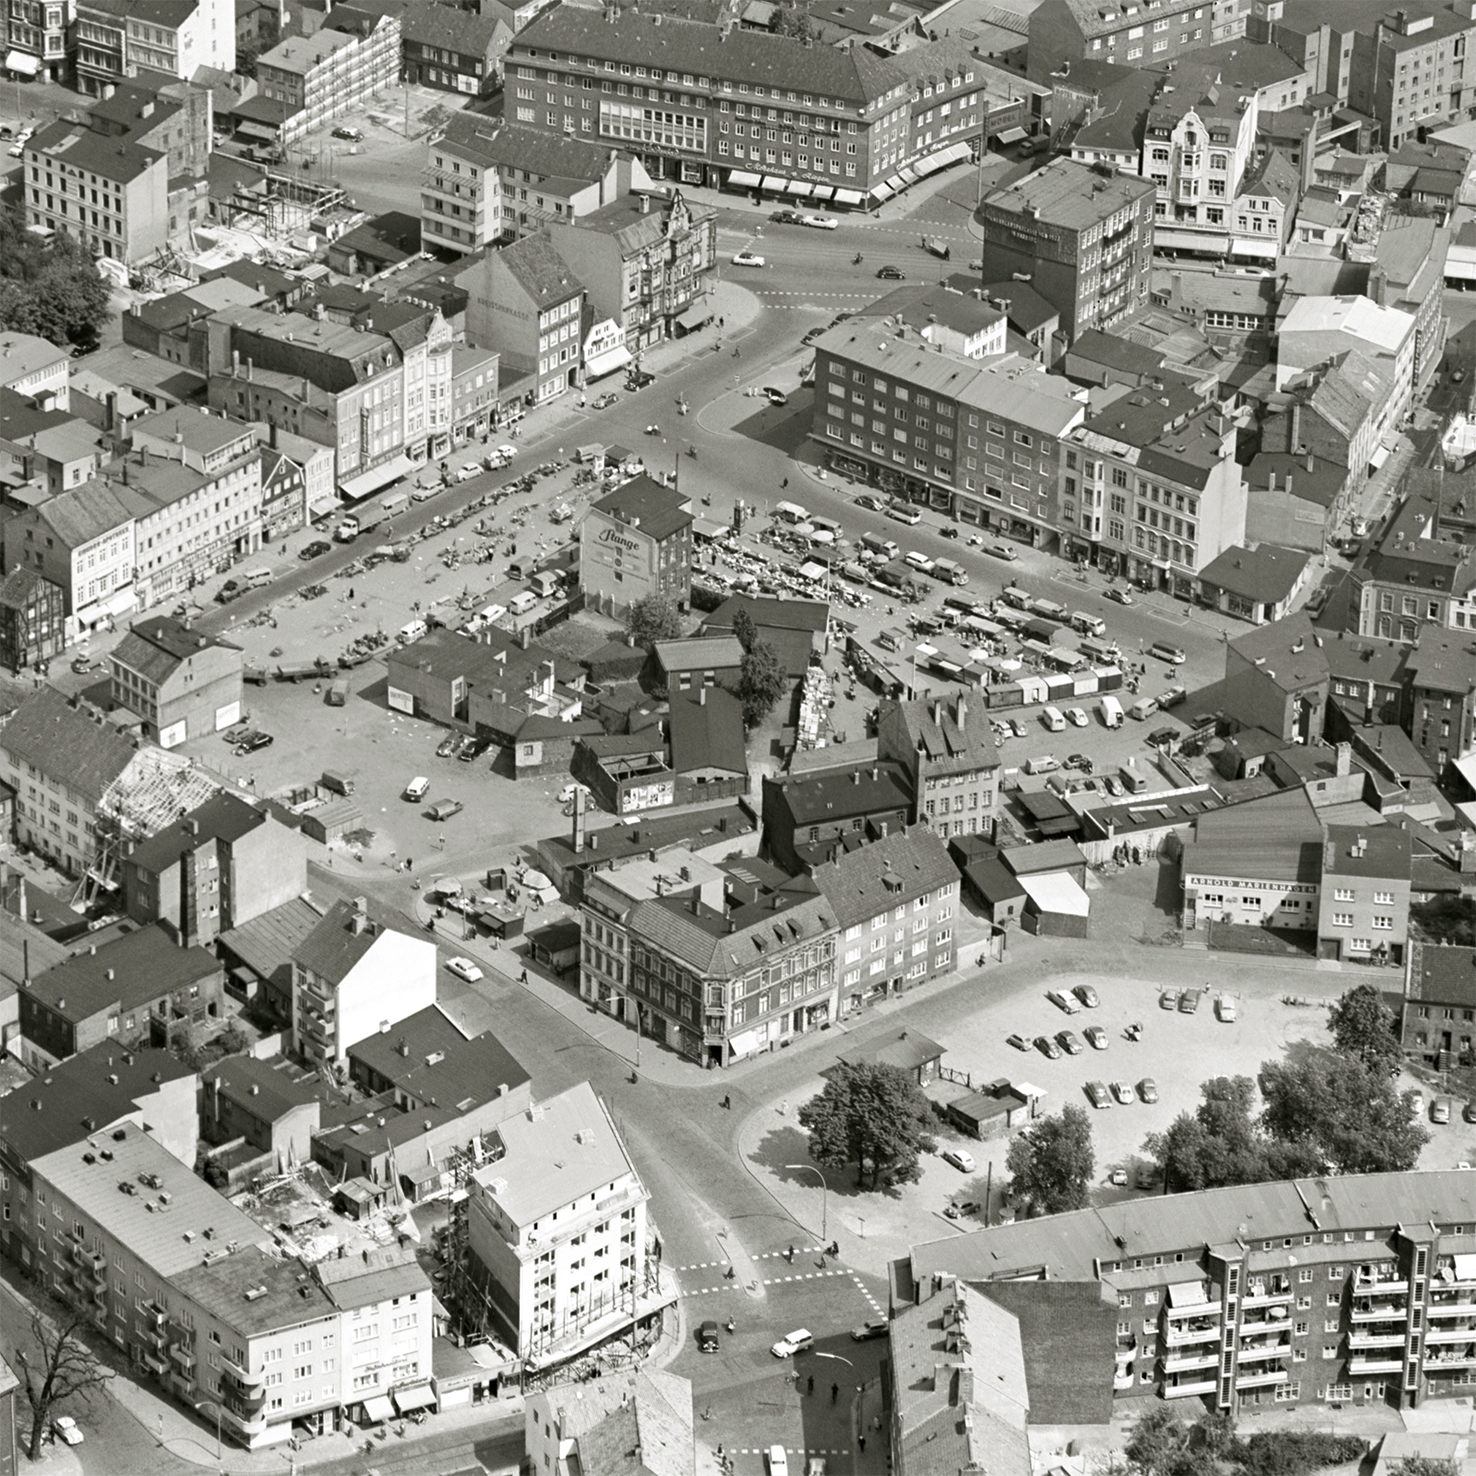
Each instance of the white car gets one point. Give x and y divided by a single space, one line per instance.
819 222
792 1343
467 472
64 1427
570 790
417 789
1225 1008
962 1161
507 452
464 968
778 1461
424 494
747 259
1076 717
920 562
1063 1001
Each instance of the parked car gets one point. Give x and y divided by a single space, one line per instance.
957 1208
1097 1094
1069 1042
707 1337
464 968
1096 1037
1018 728
747 259
1189 1001
448 745
873 1327
1004 551
604 401
467 472
778 1461
891 274
1148 1090
64 1427
1079 761
1118 1178
1122 1093
1168 999
253 743
315 550
1118 596
819 222
1147 1175
786 217
349 132
960 1158
792 1343
1018 1041
1076 717
872 504
417 789
1114 785
1063 1001
1468 1112
1225 1007
1087 995
638 379
1440 1110
1162 737
1417 1104
444 809
1047 1047
775 396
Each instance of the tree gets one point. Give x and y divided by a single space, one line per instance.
1444 919
1363 1027
1158 1440
874 1115
761 683
653 619
1222 1143
791 21
1052 1163
1353 1120
1418 1465
48 287
744 630
55 1369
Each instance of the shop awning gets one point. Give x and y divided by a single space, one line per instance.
1187 1294
775 183
1262 248
798 187
1189 241
740 179
1011 136
1379 457
954 152
848 197
882 192
894 182
824 192
378 1408
928 164
608 362
695 316
907 174
320 507
22 62
418 1396
377 477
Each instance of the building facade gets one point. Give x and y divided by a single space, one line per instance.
950 757
1078 30
1364 912
637 541
180 684
323 76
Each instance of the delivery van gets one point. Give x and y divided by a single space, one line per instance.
1111 710
1143 708
256 577
949 572
520 604
414 631
1092 625
336 783
1163 651
883 548
417 789
1054 719
1047 763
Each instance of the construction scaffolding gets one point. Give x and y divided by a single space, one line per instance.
154 790
290 205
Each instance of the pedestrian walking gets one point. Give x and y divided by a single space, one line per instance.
728 1103
524 977
861 1441
351 591
722 322
834 1393
810 1385
785 482
409 863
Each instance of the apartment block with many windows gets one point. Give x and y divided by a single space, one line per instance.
1144 34
1331 1291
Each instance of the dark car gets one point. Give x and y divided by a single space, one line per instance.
707 1337
448 745
1047 1047
473 750
251 742
638 379
1162 737
891 274
349 132
786 217
316 549
949 532
1189 1001
1079 761
1069 1042
775 396
604 401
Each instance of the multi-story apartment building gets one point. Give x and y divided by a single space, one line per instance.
1131 35
1417 577
424 342
1331 1291
335 384
1083 238
558 1231
705 103
976 440
474 392
223 864
38 36
455 50
1442 696
1364 912
1438 1019
950 757
117 39
61 760
111 195
526 302
270 1343
1150 488
637 541
646 261
352 973
179 683
895 902
1407 69
1408 274
1196 147
1264 208
723 982
967 325
813 817
33 620
323 76
951 107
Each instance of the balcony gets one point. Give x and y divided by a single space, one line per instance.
243 1377
155 1364
154 1313
1202 1308
1464 1333
182 1354
1380 1311
1369 1283
1183 1362
1450 1306
242 1424
1175 1389
1255 1352
1457 1358
1264 1317
1122 1380
1200 1331
1377 1337
1379 1363
1259 1378
1276 1291
1461 1273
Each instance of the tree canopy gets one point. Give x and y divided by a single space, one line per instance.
744 630
761 682
48 287
56 1368
1363 1027
653 619
874 1116
1051 1164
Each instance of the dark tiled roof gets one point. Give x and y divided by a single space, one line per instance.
1266 574
656 510
842 794
267 1089
74 744
144 966
905 864
448 28
707 732
223 817
1443 974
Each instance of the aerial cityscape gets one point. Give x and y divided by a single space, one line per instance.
738 737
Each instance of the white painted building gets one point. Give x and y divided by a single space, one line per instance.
352 976
35 367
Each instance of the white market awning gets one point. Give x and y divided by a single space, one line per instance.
1262 248
598 365
927 165
848 197
1189 241
907 174
1011 136
22 62
798 187
418 1396
741 179
775 183
824 192
954 152
882 192
893 182
378 1408
377 477
321 507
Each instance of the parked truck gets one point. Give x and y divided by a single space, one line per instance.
949 572
361 520
896 579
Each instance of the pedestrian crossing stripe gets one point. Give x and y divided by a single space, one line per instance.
803 1276
795 1450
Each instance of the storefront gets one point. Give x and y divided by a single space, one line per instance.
604 350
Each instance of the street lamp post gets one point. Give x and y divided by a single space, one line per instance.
208 1404
824 1198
